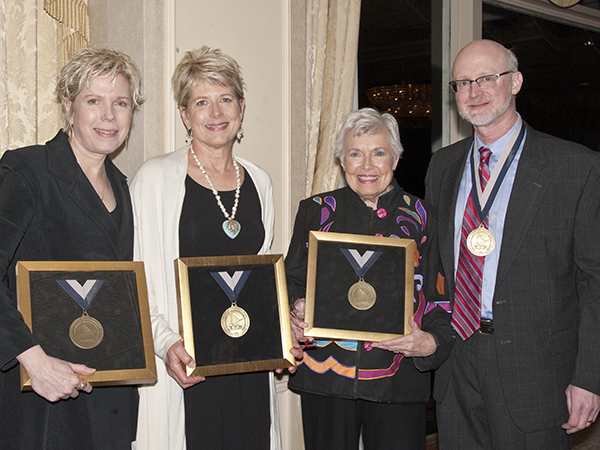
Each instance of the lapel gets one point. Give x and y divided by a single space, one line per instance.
528 190
450 182
71 180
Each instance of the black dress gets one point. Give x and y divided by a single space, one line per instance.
228 411
49 211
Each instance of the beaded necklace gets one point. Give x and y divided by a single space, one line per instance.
231 227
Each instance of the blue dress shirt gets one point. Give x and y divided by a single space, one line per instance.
496 215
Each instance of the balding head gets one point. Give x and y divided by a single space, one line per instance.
490 51
490 82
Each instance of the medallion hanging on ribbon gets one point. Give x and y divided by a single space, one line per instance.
85 331
481 241
361 295
235 321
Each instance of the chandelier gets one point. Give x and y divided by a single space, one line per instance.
402 100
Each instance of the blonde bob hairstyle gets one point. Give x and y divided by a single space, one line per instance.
89 64
208 65
367 121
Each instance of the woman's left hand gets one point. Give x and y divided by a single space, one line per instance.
417 343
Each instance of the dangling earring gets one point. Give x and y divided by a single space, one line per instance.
126 140
189 137
71 130
240 133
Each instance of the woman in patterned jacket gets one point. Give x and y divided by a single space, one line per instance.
379 389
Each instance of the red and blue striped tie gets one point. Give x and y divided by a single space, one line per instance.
466 315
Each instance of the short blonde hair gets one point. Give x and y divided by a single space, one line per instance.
89 64
208 65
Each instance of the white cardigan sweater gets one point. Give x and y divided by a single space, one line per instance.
157 192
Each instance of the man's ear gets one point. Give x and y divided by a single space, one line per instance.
516 83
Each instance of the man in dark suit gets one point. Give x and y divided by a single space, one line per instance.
519 228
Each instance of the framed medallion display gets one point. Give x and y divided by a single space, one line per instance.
90 312
358 287
234 313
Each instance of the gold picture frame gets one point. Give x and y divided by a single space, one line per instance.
266 343
330 278
124 354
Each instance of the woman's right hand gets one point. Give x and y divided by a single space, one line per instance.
176 356
52 378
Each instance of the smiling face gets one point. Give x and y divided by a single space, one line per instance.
369 164
214 114
100 116
490 107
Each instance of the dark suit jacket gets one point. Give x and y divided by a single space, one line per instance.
49 211
547 298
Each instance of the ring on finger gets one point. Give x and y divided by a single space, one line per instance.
82 385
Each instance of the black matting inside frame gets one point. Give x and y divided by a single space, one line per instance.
258 298
115 307
335 276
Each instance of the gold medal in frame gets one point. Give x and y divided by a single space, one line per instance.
234 313
332 308
90 312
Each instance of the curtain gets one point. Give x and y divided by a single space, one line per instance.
332 28
75 32
29 63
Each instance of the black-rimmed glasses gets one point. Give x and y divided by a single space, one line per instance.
486 81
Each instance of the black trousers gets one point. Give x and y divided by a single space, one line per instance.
332 423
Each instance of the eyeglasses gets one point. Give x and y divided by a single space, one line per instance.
486 81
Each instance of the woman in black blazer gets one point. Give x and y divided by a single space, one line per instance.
66 201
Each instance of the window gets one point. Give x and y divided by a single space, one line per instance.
559 57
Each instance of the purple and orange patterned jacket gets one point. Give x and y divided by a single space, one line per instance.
355 370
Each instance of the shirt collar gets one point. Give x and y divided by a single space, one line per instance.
499 145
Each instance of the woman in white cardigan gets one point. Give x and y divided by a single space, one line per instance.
201 201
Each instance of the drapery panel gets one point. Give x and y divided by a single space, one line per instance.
332 28
29 63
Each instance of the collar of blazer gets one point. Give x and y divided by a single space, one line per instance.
63 165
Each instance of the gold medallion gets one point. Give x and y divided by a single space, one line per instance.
86 332
235 321
481 241
362 295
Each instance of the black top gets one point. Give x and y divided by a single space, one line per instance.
200 225
237 404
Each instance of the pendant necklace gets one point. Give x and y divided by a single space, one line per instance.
231 227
